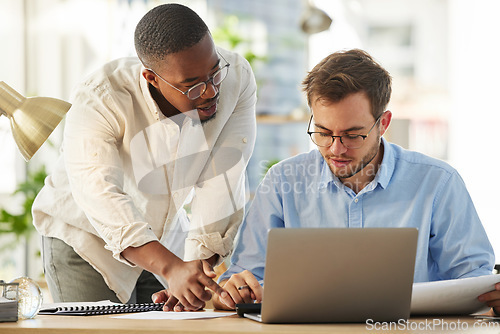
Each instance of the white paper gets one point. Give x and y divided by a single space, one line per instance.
458 296
155 315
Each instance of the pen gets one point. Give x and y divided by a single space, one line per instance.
248 287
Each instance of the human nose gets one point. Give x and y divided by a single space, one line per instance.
337 148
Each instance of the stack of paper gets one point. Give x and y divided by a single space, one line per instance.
8 309
452 297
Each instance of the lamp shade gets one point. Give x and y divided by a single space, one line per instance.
32 119
314 20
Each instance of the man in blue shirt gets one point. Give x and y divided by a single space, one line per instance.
357 179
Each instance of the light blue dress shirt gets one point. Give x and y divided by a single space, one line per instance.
409 190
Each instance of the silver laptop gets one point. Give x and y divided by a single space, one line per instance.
320 275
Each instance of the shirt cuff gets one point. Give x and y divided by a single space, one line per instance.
204 246
133 235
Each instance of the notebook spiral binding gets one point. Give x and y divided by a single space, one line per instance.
103 309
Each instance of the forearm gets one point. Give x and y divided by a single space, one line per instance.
187 281
153 257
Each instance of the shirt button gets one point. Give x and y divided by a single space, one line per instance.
355 200
245 140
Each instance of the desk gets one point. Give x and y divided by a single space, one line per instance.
50 324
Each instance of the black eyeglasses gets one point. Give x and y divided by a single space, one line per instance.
352 141
200 88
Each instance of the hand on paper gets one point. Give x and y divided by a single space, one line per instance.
187 282
242 288
170 301
492 299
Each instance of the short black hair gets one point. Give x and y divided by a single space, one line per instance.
167 29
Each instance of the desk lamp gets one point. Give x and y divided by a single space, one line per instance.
314 20
32 119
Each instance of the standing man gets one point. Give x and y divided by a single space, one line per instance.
357 179
144 138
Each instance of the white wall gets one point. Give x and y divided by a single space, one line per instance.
475 114
12 72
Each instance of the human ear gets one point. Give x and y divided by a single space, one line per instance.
151 78
385 120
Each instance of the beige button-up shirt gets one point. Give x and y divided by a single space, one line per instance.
127 173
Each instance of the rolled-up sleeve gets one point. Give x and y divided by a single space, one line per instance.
95 170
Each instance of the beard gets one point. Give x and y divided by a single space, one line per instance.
355 166
206 120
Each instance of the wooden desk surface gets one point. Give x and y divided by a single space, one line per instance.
45 324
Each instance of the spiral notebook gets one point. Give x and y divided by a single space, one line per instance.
97 308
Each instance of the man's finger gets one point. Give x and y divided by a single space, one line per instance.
179 307
208 269
212 285
256 290
233 296
170 304
160 296
191 301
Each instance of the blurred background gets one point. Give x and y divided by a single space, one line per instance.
442 54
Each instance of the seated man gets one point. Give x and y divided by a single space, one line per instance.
358 179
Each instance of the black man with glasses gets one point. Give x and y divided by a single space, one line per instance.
147 140
354 178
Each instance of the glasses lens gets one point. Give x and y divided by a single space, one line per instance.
220 75
196 91
352 141
321 139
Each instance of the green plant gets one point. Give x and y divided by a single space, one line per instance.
21 225
228 35
270 164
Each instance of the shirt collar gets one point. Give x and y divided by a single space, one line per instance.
383 176
387 166
326 174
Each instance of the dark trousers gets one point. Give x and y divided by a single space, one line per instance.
72 279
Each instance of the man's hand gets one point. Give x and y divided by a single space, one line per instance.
242 288
492 299
186 280
164 296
